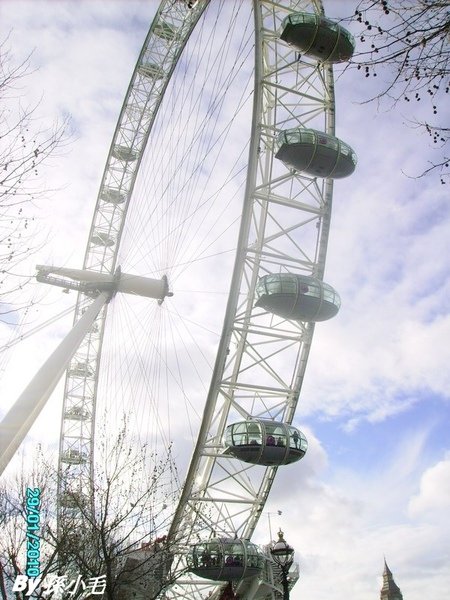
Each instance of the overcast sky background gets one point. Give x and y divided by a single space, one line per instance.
375 405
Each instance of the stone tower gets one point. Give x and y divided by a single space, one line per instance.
390 590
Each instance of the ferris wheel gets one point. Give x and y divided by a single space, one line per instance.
203 274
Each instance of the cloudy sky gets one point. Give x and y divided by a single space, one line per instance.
375 404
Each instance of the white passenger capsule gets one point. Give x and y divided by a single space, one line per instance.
297 297
316 153
318 37
265 442
225 559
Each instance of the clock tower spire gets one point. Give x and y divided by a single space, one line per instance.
390 590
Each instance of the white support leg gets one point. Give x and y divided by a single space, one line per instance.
21 416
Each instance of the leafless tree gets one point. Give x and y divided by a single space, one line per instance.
408 43
118 534
121 533
13 525
25 146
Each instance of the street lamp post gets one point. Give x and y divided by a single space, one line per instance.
283 556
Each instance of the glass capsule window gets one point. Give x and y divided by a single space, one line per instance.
285 283
347 151
165 31
330 24
244 434
333 26
112 195
124 153
275 434
330 295
74 457
206 556
234 555
348 36
303 18
310 287
299 135
102 239
297 440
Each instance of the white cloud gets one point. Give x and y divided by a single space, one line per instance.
389 340
433 499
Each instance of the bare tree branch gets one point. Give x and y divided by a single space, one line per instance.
25 147
409 42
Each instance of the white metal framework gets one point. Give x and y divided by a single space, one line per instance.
261 358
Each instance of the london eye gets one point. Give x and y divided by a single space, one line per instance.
203 275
